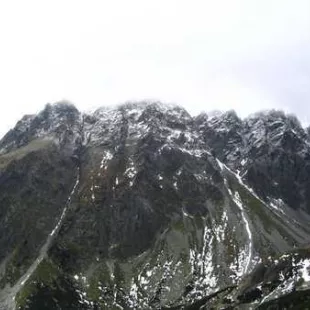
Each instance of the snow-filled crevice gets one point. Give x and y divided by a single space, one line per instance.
238 202
247 256
272 205
202 265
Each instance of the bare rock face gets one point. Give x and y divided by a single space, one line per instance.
142 206
270 149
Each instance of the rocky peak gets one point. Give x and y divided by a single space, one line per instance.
227 117
223 132
58 121
272 129
219 121
55 116
137 119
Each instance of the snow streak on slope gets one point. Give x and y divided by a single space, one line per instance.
272 206
202 266
237 200
7 301
276 206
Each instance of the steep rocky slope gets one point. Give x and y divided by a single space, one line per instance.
143 206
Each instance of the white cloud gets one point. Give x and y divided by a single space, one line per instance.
201 54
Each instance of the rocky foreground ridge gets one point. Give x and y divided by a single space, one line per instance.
142 206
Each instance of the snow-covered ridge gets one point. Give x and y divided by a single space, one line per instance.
134 107
56 117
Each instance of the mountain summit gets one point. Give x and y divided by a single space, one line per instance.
142 206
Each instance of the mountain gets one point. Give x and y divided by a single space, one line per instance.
142 206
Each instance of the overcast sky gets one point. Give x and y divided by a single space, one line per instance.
245 55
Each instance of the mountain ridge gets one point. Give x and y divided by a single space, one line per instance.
169 208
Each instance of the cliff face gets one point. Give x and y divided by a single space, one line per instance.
143 206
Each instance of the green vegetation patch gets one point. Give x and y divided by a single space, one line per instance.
19 153
46 273
17 264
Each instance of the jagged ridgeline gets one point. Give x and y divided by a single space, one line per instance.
142 206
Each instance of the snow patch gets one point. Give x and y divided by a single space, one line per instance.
238 202
305 270
106 157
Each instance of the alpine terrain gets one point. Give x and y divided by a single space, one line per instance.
142 206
